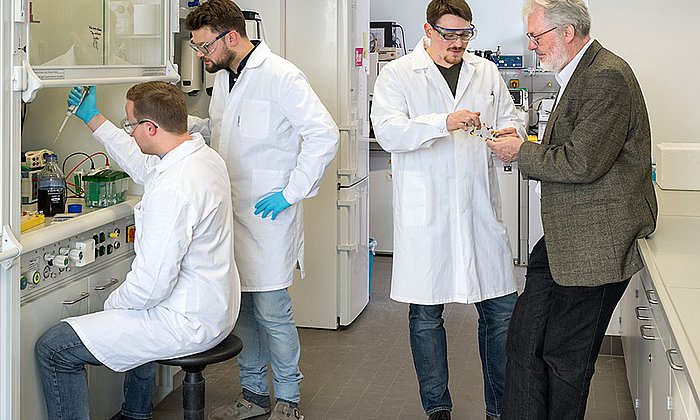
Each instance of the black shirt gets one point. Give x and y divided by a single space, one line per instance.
233 77
451 75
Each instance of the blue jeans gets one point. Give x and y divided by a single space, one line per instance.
61 357
266 327
553 343
429 347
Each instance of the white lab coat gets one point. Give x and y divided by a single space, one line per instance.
258 129
450 244
182 294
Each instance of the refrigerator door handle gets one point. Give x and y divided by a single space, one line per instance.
349 151
352 206
348 203
11 248
348 247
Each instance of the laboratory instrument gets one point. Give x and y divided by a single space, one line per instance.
35 158
29 185
105 187
539 85
190 69
71 111
508 61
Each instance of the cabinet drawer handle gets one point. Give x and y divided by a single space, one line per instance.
651 292
669 357
111 283
643 328
83 296
638 310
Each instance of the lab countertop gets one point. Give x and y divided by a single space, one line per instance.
48 233
671 257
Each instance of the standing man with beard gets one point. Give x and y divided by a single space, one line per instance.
597 200
450 242
277 140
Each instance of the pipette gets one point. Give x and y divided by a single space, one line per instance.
71 110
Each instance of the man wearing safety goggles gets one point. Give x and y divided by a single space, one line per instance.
431 109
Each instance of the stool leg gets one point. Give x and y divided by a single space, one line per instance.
193 396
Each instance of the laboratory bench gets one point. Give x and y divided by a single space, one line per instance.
660 319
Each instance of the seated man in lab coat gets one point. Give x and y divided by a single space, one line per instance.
182 294
430 110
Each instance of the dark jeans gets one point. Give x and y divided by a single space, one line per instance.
61 358
553 342
429 347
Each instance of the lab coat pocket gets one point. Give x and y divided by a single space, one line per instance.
264 183
254 120
486 105
411 198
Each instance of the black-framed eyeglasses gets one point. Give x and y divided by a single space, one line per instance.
450 34
208 47
535 39
130 126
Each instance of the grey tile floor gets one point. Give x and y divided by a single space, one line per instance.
365 371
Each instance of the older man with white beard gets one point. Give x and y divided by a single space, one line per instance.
597 200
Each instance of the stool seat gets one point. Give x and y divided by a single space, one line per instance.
225 350
193 365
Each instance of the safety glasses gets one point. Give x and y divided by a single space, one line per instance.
208 47
130 126
449 34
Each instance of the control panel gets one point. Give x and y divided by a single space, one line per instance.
508 61
76 255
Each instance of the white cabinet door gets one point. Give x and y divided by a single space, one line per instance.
629 328
106 386
644 390
353 252
683 403
660 377
35 318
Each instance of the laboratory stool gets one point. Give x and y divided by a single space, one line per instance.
193 365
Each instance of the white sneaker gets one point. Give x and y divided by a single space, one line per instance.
238 410
283 411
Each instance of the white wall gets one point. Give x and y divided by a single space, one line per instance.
660 43
498 22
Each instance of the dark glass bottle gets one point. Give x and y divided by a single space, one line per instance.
51 193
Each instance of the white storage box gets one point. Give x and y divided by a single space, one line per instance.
678 166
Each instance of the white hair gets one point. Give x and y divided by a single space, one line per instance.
562 13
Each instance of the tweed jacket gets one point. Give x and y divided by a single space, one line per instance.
595 167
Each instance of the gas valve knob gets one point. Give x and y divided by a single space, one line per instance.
75 255
61 261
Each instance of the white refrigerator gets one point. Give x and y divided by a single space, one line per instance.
327 40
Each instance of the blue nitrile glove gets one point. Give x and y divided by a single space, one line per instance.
88 108
274 204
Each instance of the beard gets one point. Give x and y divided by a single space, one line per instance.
224 63
452 59
556 59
